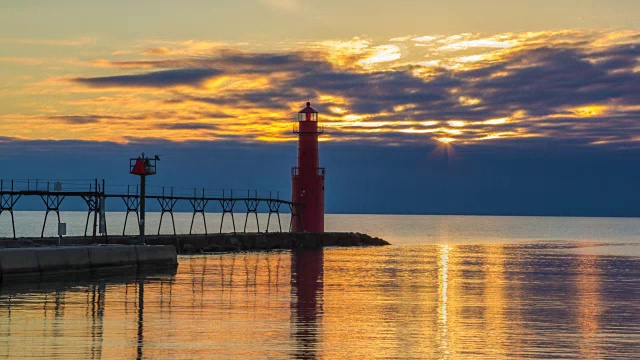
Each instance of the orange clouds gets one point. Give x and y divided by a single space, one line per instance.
457 89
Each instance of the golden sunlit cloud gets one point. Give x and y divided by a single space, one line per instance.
400 38
424 39
456 123
344 53
589 111
238 83
332 99
337 110
473 58
404 107
431 63
454 38
418 131
496 121
469 101
183 48
157 51
382 53
480 43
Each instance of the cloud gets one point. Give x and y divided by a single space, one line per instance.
188 126
78 119
166 48
480 43
400 38
166 78
424 39
579 89
157 51
233 61
382 53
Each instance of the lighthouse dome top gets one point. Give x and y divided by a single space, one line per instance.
308 110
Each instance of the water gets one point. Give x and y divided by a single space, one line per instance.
29 223
449 288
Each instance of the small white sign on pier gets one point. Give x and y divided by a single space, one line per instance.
102 224
62 229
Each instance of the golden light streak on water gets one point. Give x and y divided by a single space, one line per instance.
443 284
588 286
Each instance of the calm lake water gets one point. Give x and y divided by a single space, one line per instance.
449 288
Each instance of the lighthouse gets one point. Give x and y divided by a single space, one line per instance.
307 179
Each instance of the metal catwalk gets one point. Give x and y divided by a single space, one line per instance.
93 192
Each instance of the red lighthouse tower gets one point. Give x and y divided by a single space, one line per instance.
307 179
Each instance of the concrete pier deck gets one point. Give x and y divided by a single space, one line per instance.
20 263
43 257
190 244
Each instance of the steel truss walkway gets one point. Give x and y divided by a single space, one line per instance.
54 192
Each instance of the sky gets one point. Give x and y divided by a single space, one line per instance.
429 107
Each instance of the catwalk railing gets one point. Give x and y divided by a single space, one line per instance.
94 193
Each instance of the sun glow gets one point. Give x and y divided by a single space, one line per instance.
446 140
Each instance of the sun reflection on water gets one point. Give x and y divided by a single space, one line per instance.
442 297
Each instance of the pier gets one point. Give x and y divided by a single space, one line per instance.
201 243
97 250
34 262
49 257
95 193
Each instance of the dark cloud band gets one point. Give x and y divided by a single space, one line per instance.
158 79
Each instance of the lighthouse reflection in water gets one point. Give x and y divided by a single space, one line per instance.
306 300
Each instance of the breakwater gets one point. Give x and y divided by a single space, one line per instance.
190 244
25 262
43 257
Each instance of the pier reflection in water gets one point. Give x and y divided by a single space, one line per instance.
413 301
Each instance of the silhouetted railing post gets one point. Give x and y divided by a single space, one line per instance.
143 189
